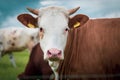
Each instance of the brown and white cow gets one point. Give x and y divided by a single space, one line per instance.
14 39
53 23
93 51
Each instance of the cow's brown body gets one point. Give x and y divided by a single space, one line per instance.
93 51
37 68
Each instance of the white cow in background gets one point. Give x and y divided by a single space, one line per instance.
14 39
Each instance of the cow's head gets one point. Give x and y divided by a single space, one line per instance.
54 24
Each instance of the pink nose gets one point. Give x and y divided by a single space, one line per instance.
53 52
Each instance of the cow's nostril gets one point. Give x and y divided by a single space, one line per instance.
49 53
59 53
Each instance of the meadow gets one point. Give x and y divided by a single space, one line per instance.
7 71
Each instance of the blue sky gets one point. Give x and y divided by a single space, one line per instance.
9 9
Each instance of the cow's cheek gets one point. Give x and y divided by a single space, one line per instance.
43 47
41 34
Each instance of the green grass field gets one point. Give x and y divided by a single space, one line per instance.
7 71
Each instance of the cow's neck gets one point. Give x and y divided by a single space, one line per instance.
54 66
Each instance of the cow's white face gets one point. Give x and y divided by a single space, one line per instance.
54 28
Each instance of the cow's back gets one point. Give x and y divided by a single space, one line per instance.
93 49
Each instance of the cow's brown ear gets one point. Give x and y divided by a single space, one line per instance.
78 20
28 20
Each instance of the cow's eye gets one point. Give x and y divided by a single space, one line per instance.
41 29
66 29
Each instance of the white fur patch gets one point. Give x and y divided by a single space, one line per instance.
54 21
19 36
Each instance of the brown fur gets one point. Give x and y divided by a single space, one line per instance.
93 49
36 68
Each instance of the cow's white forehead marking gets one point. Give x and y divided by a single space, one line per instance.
54 21
53 17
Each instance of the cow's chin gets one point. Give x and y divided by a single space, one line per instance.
55 59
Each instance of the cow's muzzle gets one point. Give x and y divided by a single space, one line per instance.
54 54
